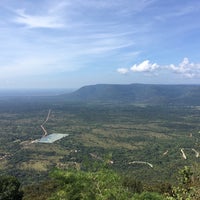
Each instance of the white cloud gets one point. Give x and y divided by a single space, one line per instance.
38 21
89 34
145 66
122 70
186 68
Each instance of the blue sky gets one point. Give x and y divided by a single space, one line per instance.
71 43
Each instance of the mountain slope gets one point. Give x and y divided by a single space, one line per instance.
138 93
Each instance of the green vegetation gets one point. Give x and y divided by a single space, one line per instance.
144 146
153 134
104 184
9 188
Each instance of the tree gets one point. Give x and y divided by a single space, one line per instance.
10 188
148 196
79 185
132 184
184 191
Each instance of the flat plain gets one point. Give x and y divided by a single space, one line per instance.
128 135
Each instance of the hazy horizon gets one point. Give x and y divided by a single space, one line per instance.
11 92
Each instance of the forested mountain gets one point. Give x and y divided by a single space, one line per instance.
138 93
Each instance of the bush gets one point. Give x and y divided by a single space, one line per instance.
148 196
9 188
80 185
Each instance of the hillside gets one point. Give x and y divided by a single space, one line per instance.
138 94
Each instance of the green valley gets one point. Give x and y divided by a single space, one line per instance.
149 143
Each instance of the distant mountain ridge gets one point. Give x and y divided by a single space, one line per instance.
138 94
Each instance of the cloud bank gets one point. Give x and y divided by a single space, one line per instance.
185 68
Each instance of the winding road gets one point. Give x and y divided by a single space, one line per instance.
183 154
196 153
42 125
141 162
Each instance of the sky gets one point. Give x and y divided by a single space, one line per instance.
72 43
